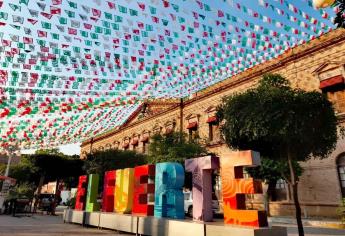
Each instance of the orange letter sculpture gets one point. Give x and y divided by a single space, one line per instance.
235 187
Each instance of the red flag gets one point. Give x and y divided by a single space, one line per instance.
141 25
15 50
56 2
155 19
28 40
2 24
165 3
6 43
87 26
141 6
111 5
72 31
44 49
32 21
41 33
55 10
96 12
32 61
47 15
27 67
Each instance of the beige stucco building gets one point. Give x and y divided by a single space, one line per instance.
317 65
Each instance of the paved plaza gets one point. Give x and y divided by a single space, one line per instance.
37 225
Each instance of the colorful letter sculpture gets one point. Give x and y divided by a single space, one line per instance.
92 192
81 193
169 201
124 190
235 188
108 203
201 169
142 188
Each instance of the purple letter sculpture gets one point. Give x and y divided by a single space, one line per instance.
201 169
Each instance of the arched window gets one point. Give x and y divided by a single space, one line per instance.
341 172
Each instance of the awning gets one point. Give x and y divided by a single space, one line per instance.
168 130
8 179
211 119
135 141
144 139
125 145
192 125
339 79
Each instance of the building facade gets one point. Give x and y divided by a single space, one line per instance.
317 65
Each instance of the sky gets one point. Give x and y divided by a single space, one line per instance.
69 149
194 44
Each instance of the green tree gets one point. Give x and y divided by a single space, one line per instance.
37 169
174 147
52 151
101 161
281 123
339 20
270 171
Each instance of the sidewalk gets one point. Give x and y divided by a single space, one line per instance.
316 222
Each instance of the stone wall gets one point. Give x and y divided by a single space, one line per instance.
319 185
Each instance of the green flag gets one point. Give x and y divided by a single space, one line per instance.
72 4
26 2
46 25
122 9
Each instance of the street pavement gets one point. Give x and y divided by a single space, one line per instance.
39 225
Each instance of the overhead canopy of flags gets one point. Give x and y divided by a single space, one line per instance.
70 70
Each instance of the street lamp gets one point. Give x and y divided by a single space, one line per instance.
339 19
11 150
322 3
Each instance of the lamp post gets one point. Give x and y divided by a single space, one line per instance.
339 5
10 150
322 3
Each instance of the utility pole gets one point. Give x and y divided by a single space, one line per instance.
181 119
11 152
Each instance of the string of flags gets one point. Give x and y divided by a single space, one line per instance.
70 70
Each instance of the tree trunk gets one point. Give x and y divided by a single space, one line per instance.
270 196
56 197
38 191
294 185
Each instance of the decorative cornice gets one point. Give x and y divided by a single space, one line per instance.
298 52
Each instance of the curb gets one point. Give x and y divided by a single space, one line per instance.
309 222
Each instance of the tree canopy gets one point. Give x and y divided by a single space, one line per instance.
340 15
282 123
276 119
100 161
174 147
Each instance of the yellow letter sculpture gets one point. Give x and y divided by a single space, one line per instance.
124 190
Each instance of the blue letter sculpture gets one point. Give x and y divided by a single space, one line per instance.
169 201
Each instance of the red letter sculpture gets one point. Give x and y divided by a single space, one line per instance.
142 188
81 193
109 191
235 187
